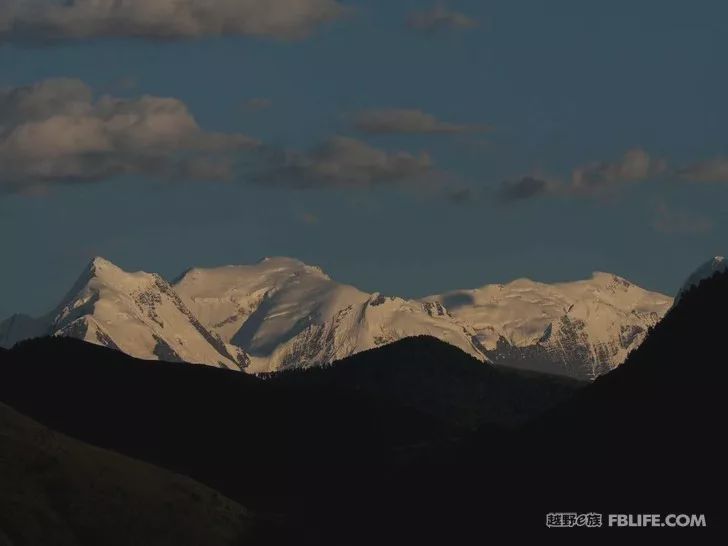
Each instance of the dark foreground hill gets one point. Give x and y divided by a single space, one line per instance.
246 437
264 442
651 431
441 381
383 455
645 439
648 438
56 491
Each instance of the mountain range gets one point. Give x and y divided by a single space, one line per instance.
282 313
412 442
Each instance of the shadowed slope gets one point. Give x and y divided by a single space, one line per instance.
674 382
363 452
258 440
248 438
645 439
57 491
440 380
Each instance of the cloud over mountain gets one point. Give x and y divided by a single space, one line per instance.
48 20
58 131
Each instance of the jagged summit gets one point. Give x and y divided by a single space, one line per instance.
582 328
281 312
287 313
103 271
101 262
137 313
717 264
103 268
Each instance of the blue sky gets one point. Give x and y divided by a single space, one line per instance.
560 85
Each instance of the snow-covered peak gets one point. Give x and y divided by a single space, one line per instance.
598 280
281 312
603 278
102 272
237 276
140 314
261 306
101 262
287 313
604 311
718 264
108 272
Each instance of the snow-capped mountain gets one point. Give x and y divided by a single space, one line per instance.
286 313
137 313
282 313
581 329
707 270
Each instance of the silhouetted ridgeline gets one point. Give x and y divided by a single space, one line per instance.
376 449
439 380
240 434
216 425
645 438
57 491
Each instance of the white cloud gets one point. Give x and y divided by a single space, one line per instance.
595 178
343 162
57 131
669 221
713 170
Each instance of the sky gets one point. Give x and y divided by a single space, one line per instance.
408 147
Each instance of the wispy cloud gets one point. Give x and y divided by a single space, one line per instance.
47 21
712 170
57 131
523 188
596 179
440 18
308 218
257 104
669 221
460 196
343 162
392 121
601 177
